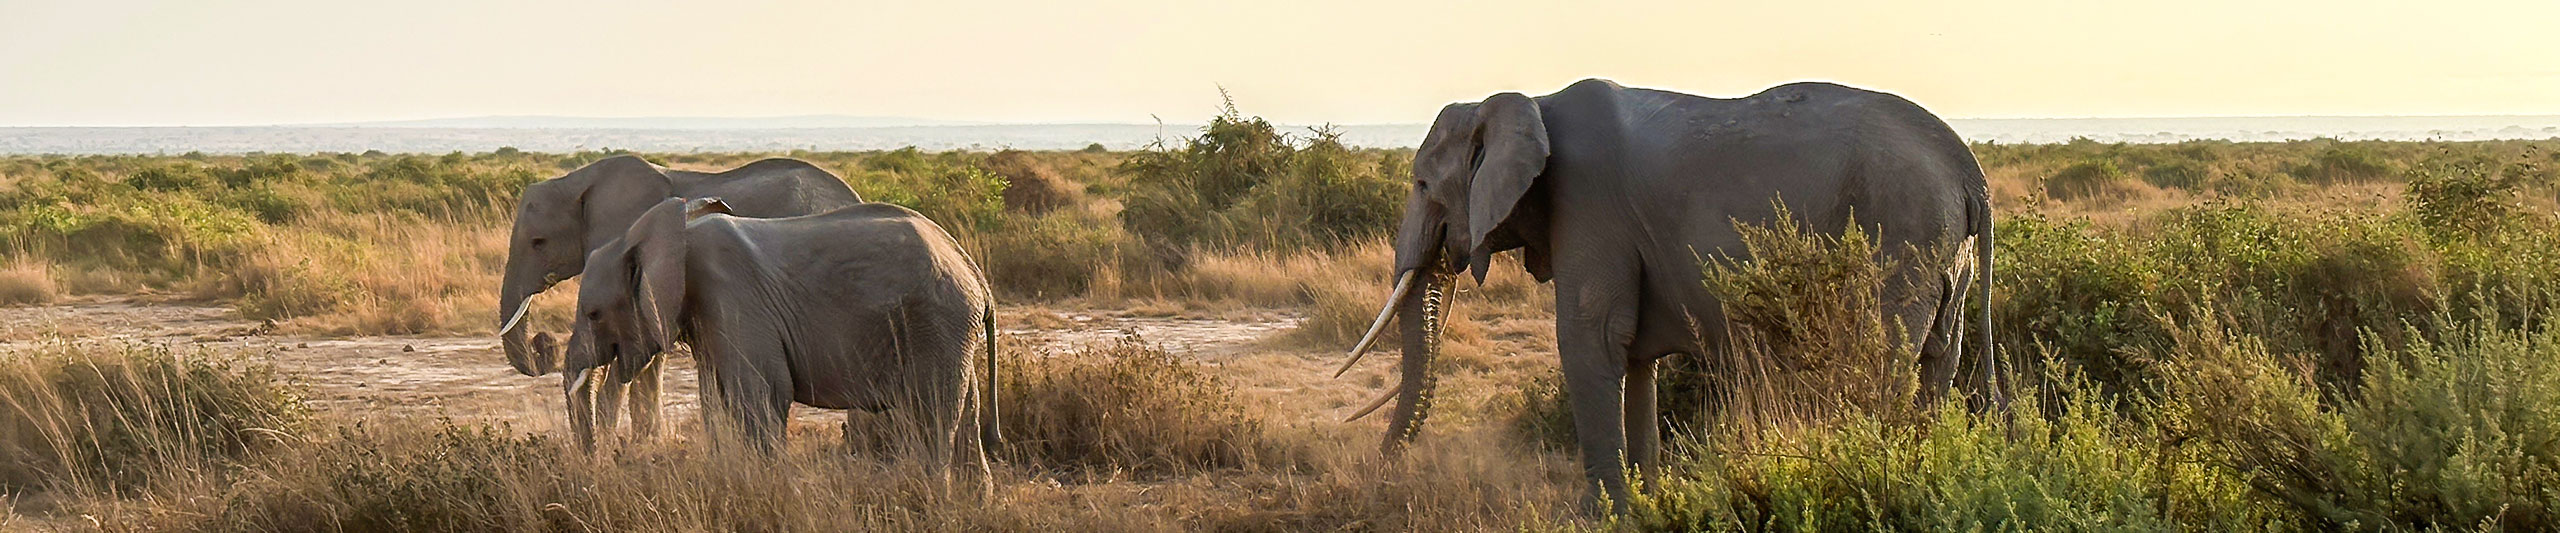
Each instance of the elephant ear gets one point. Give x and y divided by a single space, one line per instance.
658 259
1513 140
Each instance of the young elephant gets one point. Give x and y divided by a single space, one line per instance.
868 307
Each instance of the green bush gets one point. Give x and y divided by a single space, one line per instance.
2465 201
164 234
1052 256
269 202
1242 183
2343 163
449 186
2447 433
2069 292
1330 195
1807 320
946 187
2090 179
2310 284
171 177
262 170
2178 174
2081 469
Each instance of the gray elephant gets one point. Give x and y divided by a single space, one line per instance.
1615 194
560 220
870 307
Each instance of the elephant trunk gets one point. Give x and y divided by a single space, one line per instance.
1420 316
514 303
575 385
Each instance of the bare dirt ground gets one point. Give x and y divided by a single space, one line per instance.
467 378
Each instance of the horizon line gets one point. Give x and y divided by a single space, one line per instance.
966 123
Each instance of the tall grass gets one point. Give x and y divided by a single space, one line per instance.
27 281
1128 407
1121 437
105 418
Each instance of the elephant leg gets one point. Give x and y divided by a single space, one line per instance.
938 421
581 404
608 403
1644 434
756 423
748 404
973 443
768 416
644 402
1941 348
1592 334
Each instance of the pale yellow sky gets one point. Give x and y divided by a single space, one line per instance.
109 62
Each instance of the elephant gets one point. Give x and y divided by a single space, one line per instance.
558 221
870 307
1614 195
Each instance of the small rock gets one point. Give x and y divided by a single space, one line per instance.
302 345
359 384
408 347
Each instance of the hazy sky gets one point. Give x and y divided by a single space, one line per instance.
108 62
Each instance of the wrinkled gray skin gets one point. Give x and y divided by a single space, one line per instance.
1615 194
560 220
870 307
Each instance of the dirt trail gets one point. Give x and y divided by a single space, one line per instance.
468 377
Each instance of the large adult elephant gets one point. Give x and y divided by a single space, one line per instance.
558 221
870 307
1615 194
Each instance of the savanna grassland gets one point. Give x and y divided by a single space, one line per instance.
2313 335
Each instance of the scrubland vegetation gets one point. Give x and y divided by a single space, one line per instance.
2315 335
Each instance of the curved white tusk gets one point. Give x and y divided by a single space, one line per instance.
518 319
1375 404
578 381
1404 284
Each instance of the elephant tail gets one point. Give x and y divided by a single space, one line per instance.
1982 254
990 430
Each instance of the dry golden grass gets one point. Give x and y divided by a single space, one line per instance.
92 421
344 274
410 474
1126 407
1120 438
27 281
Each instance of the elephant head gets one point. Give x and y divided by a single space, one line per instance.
628 303
557 222
1475 193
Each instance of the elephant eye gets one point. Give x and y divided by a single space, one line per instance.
537 242
595 315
